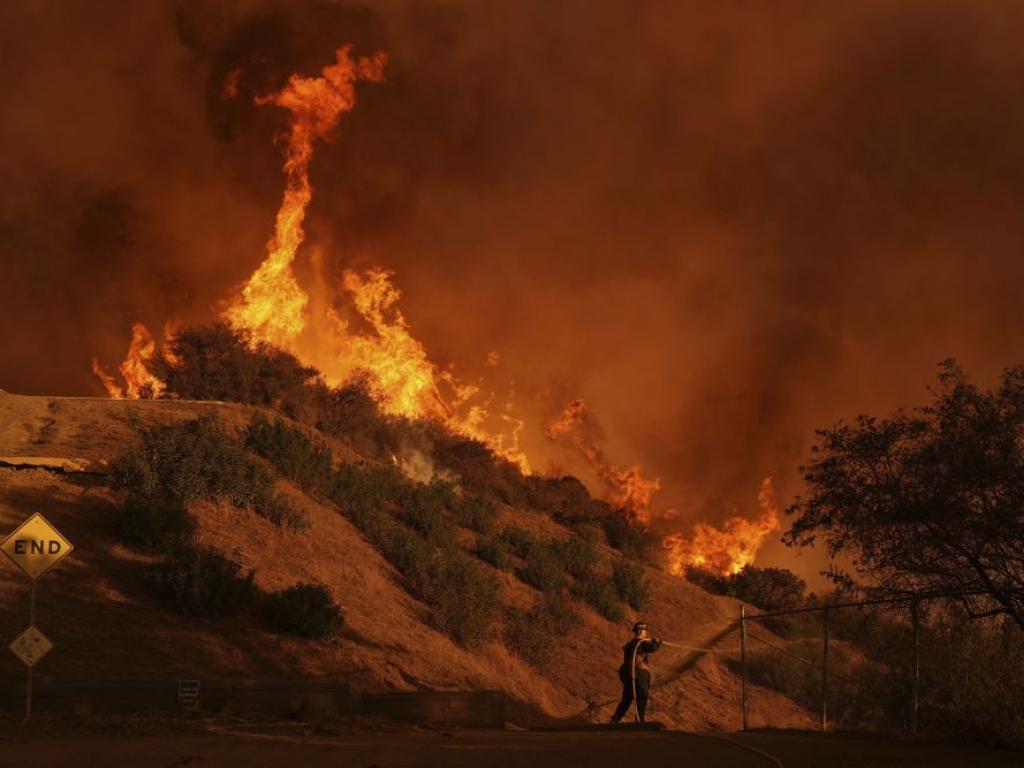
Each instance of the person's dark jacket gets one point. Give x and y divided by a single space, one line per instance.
646 647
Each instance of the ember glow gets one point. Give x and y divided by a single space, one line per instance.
728 549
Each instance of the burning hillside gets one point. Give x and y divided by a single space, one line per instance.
356 330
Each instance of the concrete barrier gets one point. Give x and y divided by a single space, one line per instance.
258 698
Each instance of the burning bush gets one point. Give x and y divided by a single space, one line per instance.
305 610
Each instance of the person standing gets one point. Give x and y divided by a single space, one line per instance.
635 672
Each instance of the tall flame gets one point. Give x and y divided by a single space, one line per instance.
139 381
272 304
627 488
726 550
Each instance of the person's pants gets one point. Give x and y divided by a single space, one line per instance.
643 690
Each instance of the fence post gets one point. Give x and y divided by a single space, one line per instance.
743 663
824 673
915 684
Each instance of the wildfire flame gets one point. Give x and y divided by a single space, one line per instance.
726 550
627 488
372 337
272 304
139 381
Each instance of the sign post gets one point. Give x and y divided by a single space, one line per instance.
35 547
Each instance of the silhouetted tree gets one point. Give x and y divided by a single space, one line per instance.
927 501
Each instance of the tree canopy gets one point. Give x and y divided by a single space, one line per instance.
927 501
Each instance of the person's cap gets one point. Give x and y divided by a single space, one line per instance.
640 626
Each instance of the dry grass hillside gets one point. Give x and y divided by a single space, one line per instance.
97 607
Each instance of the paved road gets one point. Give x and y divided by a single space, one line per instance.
483 749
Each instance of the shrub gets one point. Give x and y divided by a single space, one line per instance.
280 511
215 363
577 555
153 520
405 549
564 498
194 460
351 413
601 596
305 610
633 540
630 584
293 453
494 550
770 589
519 540
201 581
536 635
477 512
463 597
543 569
362 484
589 532
422 507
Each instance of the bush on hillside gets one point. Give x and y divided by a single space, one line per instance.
537 636
199 581
463 597
281 512
477 512
304 610
494 550
630 584
770 589
153 520
194 460
565 498
635 541
423 507
304 461
351 414
600 595
519 540
542 568
214 362
577 556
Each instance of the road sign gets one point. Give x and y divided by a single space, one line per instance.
30 646
36 546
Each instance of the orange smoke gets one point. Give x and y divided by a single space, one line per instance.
726 550
139 381
627 488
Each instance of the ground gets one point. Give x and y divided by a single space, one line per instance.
212 743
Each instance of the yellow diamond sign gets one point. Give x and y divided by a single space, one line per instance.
36 546
30 646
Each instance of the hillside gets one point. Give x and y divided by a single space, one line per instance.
99 611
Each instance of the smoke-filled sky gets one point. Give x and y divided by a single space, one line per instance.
723 224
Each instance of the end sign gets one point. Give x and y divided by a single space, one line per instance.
36 546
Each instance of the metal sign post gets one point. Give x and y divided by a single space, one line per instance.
35 547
